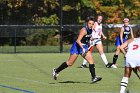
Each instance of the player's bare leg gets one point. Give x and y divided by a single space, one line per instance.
124 82
101 52
72 59
64 65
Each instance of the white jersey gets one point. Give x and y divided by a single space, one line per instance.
97 31
133 53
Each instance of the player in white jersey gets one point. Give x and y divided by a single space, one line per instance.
132 61
96 35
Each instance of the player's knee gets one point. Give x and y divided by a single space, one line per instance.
118 49
90 61
100 50
69 63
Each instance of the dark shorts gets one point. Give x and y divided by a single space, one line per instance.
118 41
76 49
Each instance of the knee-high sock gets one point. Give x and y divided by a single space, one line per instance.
104 58
61 67
84 62
92 70
124 84
115 57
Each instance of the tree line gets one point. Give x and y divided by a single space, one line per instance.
47 12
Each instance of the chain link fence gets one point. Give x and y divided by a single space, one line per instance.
48 39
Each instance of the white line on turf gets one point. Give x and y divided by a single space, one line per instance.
12 60
25 79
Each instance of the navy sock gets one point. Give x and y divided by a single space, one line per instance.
115 59
92 70
61 67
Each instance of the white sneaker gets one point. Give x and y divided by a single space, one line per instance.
55 75
113 66
96 79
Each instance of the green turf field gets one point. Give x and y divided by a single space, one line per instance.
32 73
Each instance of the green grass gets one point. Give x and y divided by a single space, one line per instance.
29 49
43 49
33 72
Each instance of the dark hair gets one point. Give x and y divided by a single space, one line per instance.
99 15
90 18
138 33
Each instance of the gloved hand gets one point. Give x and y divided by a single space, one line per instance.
84 52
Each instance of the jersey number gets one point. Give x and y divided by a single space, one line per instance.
135 47
99 33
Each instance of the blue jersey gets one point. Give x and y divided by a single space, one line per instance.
86 38
76 49
126 34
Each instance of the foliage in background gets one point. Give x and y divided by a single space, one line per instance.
47 12
74 11
42 37
113 33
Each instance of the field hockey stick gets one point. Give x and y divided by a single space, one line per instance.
95 43
84 54
136 72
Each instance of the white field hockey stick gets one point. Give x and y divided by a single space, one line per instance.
95 43
84 54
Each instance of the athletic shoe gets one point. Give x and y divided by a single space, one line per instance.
55 75
83 66
96 79
109 65
113 66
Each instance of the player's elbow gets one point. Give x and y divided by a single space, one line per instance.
78 41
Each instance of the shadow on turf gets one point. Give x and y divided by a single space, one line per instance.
72 82
101 67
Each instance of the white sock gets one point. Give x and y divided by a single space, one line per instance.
104 58
84 62
124 84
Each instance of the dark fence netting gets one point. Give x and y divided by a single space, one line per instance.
49 39
20 39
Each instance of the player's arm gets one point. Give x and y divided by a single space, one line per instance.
104 37
92 37
123 47
102 34
132 34
121 35
93 29
81 34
